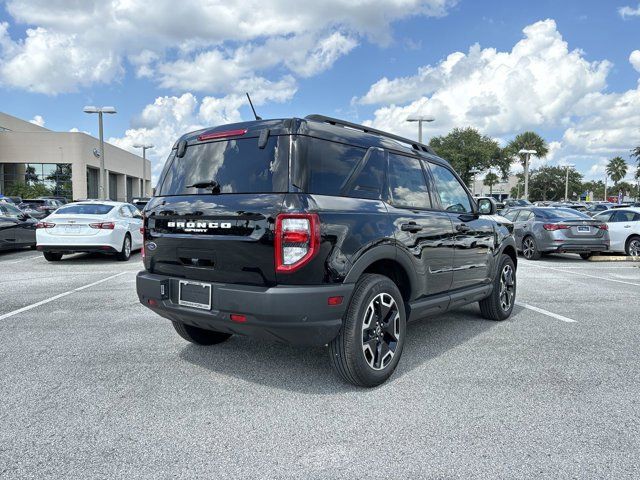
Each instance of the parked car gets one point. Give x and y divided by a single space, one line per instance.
541 230
140 203
596 208
513 203
39 208
624 229
103 227
17 229
317 231
61 200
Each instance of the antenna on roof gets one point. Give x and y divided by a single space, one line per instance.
254 110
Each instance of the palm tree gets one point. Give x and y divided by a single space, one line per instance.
617 169
527 141
490 180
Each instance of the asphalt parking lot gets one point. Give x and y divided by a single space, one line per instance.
93 385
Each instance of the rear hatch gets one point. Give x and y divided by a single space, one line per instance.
221 229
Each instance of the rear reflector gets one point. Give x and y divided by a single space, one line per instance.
334 301
555 226
103 225
228 133
152 302
45 225
236 317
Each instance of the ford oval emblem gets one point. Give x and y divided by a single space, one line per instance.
151 246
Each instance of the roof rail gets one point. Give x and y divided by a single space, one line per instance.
342 123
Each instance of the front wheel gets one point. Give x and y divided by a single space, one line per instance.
499 305
369 345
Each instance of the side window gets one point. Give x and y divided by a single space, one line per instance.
453 196
604 217
125 212
327 166
636 217
525 215
134 211
511 215
407 183
367 180
622 216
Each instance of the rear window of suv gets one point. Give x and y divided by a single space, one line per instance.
238 166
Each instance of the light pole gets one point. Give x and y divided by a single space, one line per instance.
527 154
606 177
566 183
420 119
144 147
100 111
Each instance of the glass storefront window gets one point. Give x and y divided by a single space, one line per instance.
29 180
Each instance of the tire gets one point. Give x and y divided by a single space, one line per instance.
586 256
125 254
199 336
499 305
370 363
52 256
632 246
530 248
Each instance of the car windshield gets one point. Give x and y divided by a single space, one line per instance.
563 214
85 209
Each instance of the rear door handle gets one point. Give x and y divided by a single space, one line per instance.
411 227
462 228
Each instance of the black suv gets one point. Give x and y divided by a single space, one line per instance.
317 231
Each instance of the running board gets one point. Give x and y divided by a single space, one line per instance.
443 302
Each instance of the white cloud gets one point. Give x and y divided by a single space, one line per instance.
38 120
188 45
629 11
634 59
534 85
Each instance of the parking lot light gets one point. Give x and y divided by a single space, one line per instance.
100 111
420 119
144 147
527 155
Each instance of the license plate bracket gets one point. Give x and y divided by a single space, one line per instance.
582 229
194 294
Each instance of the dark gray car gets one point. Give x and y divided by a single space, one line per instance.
539 230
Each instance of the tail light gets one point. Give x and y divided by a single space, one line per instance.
45 225
555 226
143 231
103 225
297 240
604 226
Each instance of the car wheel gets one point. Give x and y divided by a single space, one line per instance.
530 248
125 253
633 246
586 256
52 256
499 305
199 336
369 345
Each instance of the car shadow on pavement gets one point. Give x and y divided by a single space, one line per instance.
307 369
92 258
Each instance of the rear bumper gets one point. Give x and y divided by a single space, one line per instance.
581 247
292 314
77 248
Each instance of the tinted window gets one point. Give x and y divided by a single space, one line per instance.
407 183
239 166
85 209
367 180
623 216
10 211
511 214
563 213
326 167
453 196
604 217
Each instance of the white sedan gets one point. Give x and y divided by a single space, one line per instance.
624 229
93 226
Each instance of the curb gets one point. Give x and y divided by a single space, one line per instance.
613 258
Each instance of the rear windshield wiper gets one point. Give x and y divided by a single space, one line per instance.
212 184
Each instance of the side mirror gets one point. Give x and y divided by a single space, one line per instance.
487 206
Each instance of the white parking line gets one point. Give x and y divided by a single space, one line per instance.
21 260
60 295
546 312
584 274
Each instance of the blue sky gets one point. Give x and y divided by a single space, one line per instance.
564 69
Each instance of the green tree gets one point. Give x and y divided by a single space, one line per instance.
468 150
636 153
527 141
548 183
490 180
25 191
616 169
597 187
625 187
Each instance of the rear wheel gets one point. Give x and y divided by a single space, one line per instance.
530 248
586 256
369 345
633 246
499 305
199 336
125 253
52 256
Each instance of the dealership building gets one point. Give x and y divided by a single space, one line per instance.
66 163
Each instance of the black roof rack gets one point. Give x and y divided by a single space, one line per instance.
342 123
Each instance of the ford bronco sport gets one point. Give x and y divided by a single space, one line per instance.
317 231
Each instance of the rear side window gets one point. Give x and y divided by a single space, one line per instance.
324 167
453 196
511 215
407 182
624 216
238 166
85 209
